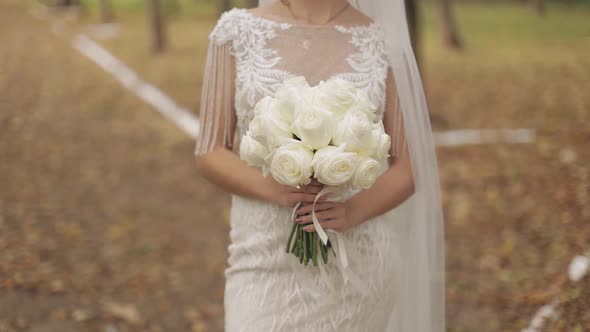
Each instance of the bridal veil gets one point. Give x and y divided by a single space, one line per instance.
422 289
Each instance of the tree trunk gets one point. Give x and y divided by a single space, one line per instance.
539 6
172 7
64 3
412 15
106 11
450 36
252 3
224 5
157 25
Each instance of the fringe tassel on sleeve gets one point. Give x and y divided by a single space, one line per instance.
217 116
393 118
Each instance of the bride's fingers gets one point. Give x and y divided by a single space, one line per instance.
334 224
321 216
315 182
318 207
300 198
311 189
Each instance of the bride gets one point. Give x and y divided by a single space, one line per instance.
392 232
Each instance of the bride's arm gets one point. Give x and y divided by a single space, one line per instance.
390 190
224 168
214 158
227 170
397 183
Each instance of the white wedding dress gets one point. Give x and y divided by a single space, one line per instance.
267 289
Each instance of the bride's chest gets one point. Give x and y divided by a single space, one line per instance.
267 52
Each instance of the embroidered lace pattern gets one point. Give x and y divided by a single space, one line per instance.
266 289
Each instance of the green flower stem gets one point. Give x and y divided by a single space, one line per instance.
295 241
296 247
314 248
311 247
288 247
301 244
331 247
324 251
305 247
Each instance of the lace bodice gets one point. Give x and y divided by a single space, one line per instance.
266 52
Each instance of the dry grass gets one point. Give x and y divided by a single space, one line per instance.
99 201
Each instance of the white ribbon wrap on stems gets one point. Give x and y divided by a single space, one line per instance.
294 213
314 218
339 246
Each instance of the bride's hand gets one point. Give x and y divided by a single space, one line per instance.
288 196
331 215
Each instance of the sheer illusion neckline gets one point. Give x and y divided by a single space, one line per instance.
275 19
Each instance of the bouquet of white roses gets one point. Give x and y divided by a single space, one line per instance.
327 132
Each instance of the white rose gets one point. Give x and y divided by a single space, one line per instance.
336 95
291 164
363 103
264 104
252 151
367 171
289 93
270 125
352 131
333 166
291 88
378 142
274 105
257 130
313 125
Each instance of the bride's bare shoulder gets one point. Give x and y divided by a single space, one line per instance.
358 17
